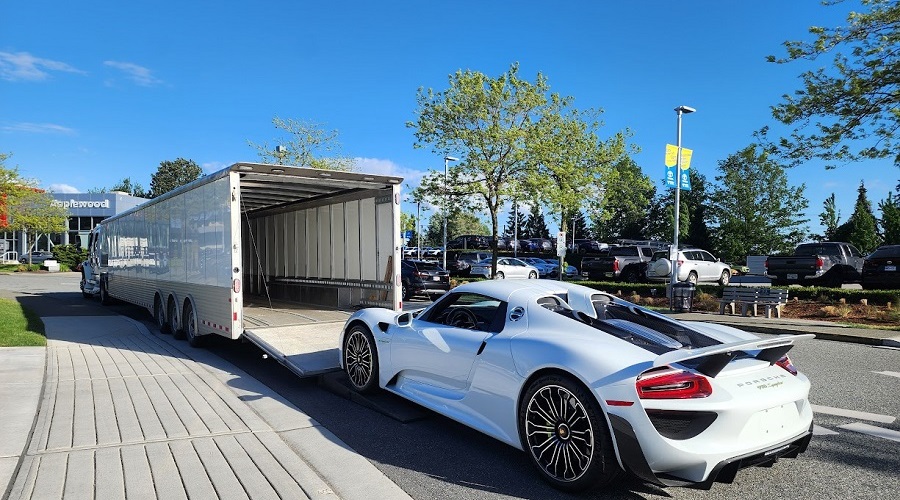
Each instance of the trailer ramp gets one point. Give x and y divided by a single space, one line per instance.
305 340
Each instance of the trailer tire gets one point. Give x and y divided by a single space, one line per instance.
172 317
159 315
191 327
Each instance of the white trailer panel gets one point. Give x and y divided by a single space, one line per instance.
257 233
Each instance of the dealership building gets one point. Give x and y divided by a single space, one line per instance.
85 210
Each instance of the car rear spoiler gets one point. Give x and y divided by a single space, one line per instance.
718 356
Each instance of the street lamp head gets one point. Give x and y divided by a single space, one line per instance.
451 158
685 109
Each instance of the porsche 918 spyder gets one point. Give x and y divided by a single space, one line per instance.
589 385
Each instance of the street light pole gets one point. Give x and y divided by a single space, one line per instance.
674 253
419 228
447 159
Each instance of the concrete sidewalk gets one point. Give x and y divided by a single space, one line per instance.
125 413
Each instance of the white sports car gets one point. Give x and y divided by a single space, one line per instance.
587 384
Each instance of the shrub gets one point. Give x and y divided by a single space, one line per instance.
69 256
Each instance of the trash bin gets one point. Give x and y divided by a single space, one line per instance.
682 297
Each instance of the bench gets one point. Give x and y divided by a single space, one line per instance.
771 299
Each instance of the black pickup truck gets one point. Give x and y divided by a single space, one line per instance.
817 264
625 263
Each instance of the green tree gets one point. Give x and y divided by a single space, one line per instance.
458 223
890 219
535 226
622 210
27 207
173 174
754 210
134 189
568 162
692 218
489 122
861 229
698 201
580 227
304 144
514 222
854 100
830 218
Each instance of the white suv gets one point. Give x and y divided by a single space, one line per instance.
693 265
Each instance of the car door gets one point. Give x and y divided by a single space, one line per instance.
439 350
709 266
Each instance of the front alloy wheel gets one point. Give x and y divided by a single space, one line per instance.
361 359
563 430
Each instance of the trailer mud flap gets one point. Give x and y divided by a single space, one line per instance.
306 350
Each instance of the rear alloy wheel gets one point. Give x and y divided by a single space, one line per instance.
361 359
405 293
725 278
532 275
499 275
692 278
563 430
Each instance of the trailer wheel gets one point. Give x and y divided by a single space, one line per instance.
191 327
160 316
172 316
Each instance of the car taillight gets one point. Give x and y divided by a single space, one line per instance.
422 274
785 362
616 265
767 263
820 263
672 384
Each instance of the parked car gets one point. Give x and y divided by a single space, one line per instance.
420 277
828 263
527 246
545 269
37 257
541 244
588 246
459 263
625 263
507 267
588 385
880 268
694 265
470 241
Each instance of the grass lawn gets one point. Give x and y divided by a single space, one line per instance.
19 326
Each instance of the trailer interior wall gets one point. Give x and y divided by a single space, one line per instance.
335 252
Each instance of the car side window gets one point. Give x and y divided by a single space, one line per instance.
648 252
707 257
470 311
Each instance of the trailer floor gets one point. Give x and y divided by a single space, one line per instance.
302 337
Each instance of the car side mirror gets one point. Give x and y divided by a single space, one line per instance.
403 320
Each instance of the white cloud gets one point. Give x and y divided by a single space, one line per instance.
63 188
38 128
138 74
22 66
410 176
213 166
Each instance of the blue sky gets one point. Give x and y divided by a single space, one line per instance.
93 92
